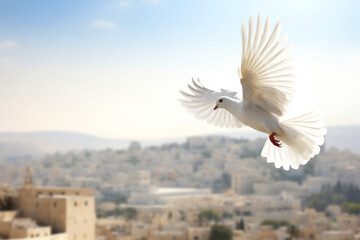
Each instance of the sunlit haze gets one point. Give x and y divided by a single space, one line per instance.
115 68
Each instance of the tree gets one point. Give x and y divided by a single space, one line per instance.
338 187
222 184
100 214
220 232
208 215
117 212
293 231
317 203
350 207
130 214
275 223
336 194
240 225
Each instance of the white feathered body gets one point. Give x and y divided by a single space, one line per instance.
267 82
253 116
301 136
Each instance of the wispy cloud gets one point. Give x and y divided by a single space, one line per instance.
8 44
124 3
103 24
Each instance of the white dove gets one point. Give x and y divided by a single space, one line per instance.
267 88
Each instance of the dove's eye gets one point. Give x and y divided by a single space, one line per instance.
220 100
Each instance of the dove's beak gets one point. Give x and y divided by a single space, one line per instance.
216 107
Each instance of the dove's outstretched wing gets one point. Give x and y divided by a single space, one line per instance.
265 73
201 103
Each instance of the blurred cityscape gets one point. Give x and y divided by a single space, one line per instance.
206 188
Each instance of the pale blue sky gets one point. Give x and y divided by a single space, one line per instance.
114 68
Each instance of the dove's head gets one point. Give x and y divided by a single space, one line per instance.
220 102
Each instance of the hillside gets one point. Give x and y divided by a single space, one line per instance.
16 145
23 145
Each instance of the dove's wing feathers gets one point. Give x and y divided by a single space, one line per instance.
201 103
265 71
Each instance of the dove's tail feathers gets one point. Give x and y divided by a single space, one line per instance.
301 139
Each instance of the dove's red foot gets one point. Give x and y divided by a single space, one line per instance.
274 141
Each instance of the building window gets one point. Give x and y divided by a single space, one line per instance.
63 193
86 203
196 238
54 204
77 193
37 204
50 194
75 204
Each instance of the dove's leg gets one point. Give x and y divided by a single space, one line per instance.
274 141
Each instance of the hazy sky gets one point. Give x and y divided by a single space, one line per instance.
114 68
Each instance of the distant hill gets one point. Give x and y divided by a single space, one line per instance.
17 145
24 145
49 141
344 137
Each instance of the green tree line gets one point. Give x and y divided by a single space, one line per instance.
347 196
